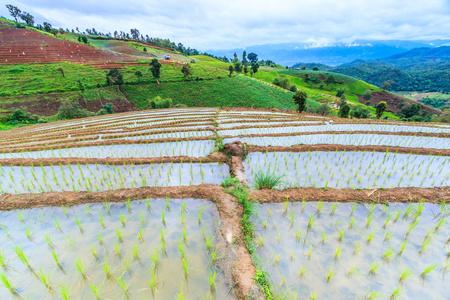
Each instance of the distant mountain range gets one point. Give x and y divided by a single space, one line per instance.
333 55
419 69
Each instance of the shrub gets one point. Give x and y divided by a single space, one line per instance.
324 109
70 109
159 102
360 111
229 181
282 81
267 180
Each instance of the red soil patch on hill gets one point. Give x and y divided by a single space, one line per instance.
25 46
393 102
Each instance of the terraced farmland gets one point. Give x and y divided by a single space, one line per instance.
200 203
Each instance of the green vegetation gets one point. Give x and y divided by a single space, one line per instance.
228 92
264 180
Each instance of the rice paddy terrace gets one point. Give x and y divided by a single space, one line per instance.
196 203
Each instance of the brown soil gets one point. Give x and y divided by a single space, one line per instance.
393 101
327 147
237 169
435 195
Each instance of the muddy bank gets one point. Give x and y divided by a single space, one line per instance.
349 148
404 195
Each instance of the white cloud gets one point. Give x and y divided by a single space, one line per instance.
206 24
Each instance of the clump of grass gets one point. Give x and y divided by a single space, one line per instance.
396 293
267 180
230 181
4 281
406 274
373 269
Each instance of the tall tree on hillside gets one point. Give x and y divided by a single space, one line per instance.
381 107
244 57
238 66
135 34
252 57
13 11
330 79
300 99
27 18
231 70
47 26
235 57
386 84
155 69
255 67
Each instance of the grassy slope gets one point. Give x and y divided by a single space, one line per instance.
231 92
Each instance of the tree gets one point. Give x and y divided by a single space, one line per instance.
159 102
139 75
380 108
244 58
156 69
114 77
344 109
252 57
84 39
238 66
235 59
300 99
315 69
70 109
367 95
386 84
324 109
27 18
231 70
47 26
13 11
135 34
186 70
360 111
255 67
108 108
340 92
330 79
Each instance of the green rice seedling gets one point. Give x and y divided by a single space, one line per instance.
185 235
79 224
313 296
302 271
148 204
94 252
119 235
388 236
212 281
425 245
324 238
373 269
64 291
319 207
5 230
341 235
162 218
387 255
276 259
396 293
427 270
397 215
3 262
81 268
4 281
370 237
28 233
209 242
333 208
108 210
44 278
292 217
309 252
107 269
167 202
123 285
95 291
406 274
337 253
48 240
369 220
402 247
100 238
153 282
352 270
330 273
298 235
117 249
122 220
88 210
141 234
185 267
356 249
102 222
372 295
154 256
311 222
21 255
129 205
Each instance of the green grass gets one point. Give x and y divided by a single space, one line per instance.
6 127
228 92
267 180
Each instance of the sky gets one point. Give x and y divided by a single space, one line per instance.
213 25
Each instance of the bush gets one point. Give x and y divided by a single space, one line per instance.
159 102
229 181
18 116
324 109
360 111
70 109
267 180
282 81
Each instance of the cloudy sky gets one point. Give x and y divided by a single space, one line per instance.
206 24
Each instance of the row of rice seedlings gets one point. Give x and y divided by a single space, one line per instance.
361 169
101 177
415 141
332 127
177 148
